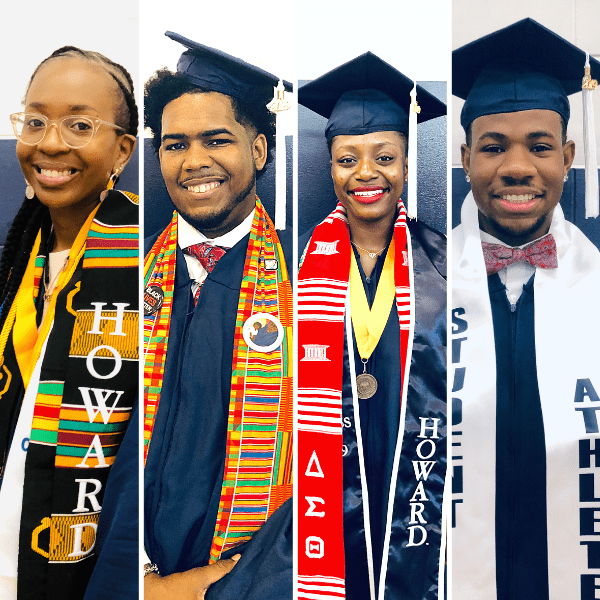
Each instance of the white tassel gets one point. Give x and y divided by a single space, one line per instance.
277 105
412 154
280 177
589 144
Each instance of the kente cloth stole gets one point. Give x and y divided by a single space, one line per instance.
258 474
85 395
323 304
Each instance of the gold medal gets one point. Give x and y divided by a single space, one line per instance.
366 384
369 323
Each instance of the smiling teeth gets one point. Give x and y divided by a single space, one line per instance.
205 187
369 193
519 198
49 173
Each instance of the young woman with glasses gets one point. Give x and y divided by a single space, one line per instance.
69 339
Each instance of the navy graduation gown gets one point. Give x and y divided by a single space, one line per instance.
117 540
185 464
521 524
411 575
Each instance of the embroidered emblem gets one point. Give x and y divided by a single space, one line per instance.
404 258
263 332
7 376
314 468
326 248
271 264
315 352
72 537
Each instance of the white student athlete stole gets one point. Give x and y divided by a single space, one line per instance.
567 337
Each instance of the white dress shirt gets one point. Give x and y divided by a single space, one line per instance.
188 236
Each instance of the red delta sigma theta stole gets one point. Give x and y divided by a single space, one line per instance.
323 305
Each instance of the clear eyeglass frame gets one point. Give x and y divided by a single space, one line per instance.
69 136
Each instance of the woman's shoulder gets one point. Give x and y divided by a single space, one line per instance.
431 242
119 208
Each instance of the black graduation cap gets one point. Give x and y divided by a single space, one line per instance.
218 71
524 66
365 95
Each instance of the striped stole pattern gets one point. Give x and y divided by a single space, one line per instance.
159 271
323 289
258 476
258 460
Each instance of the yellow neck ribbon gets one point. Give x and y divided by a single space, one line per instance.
369 323
27 340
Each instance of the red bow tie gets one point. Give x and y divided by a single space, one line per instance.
538 254
208 256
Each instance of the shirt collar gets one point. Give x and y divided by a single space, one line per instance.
490 239
188 235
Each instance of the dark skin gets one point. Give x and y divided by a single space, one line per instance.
67 180
191 585
208 161
516 163
369 172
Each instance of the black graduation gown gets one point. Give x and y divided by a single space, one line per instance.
117 539
413 574
521 524
185 464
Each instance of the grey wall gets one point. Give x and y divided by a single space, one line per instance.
316 198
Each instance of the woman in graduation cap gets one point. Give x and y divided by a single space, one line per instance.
525 286
375 284
69 338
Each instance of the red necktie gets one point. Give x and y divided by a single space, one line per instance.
541 253
208 256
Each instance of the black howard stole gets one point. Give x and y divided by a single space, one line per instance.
89 381
414 545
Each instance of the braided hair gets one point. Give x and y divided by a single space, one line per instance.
24 228
127 113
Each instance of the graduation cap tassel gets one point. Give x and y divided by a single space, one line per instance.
589 144
280 175
415 109
278 105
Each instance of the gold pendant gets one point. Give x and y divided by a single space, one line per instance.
366 386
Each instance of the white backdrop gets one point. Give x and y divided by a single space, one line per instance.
265 37
32 31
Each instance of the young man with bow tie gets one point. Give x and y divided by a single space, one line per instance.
525 330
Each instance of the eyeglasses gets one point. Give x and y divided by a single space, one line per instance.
76 131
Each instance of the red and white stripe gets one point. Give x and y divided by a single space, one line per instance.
321 588
403 306
320 410
321 299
